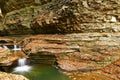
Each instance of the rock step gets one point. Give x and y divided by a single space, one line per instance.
46 59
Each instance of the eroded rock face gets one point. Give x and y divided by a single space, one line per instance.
62 16
83 52
8 5
80 16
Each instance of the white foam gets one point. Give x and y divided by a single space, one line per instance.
15 48
25 68
22 67
5 47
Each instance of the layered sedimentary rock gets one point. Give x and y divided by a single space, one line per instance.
84 52
62 16
90 55
11 5
95 48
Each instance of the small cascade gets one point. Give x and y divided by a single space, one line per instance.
22 62
15 48
22 67
5 47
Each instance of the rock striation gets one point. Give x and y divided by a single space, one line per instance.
92 47
61 16
83 52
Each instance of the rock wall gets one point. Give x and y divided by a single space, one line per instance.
96 22
10 5
63 16
84 52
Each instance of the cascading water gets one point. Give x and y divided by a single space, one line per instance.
15 48
5 47
22 67
22 62
38 71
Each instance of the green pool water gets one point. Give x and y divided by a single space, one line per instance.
43 72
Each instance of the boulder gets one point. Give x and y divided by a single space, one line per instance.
8 76
7 58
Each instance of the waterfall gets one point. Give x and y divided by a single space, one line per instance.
15 48
22 67
5 47
22 62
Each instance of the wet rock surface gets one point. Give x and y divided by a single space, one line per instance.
80 56
7 55
8 58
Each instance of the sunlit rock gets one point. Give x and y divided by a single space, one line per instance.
7 76
113 19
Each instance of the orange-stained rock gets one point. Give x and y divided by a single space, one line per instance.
8 76
112 70
7 57
75 65
88 76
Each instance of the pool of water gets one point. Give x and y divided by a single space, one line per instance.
43 72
